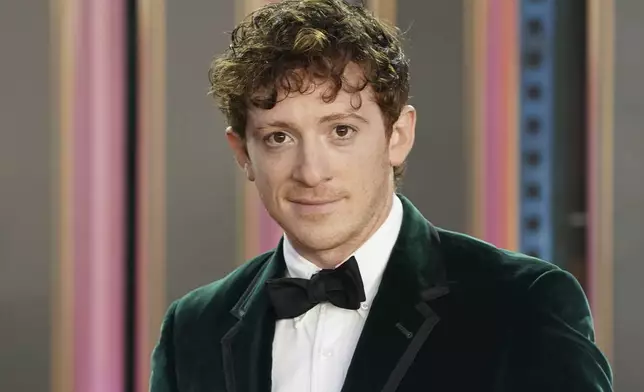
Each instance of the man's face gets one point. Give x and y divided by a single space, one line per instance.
324 170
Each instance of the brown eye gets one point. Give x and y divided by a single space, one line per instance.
276 138
343 131
279 137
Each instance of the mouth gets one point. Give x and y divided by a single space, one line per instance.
312 202
314 206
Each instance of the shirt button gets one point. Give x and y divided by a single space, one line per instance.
364 306
327 354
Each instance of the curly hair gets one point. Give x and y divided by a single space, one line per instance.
272 46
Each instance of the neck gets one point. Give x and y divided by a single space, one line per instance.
331 258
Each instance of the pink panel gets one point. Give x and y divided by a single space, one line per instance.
493 121
99 178
497 142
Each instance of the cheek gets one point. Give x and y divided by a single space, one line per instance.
366 168
374 155
271 171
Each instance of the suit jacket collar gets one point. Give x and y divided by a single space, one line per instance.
400 320
247 347
402 316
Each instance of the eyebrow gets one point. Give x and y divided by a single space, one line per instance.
342 116
276 124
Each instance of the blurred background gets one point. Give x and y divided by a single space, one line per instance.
118 192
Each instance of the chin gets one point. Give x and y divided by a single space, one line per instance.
318 239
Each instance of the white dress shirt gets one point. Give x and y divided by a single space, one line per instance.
312 352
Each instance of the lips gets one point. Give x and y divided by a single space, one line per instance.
312 202
314 207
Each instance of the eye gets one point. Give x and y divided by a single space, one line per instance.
277 138
344 131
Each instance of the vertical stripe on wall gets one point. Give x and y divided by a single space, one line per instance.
63 15
511 60
132 176
151 175
89 330
475 14
493 79
538 148
98 132
600 58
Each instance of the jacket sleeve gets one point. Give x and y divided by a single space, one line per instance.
554 348
163 377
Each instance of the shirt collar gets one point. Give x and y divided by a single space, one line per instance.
372 256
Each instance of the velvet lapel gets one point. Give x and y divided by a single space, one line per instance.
401 317
247 347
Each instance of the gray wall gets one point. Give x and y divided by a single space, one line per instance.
25 196
436 179
629 195
201 233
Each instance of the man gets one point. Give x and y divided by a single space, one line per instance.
362 293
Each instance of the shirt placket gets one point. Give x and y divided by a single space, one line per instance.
320 361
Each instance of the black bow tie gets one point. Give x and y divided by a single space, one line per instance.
341 286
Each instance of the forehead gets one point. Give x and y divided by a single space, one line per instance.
313 103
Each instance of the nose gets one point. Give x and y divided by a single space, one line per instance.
312 167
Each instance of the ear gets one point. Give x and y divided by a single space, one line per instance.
238 146
402 136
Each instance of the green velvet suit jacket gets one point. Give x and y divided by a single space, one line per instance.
452 314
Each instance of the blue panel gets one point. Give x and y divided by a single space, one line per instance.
536 129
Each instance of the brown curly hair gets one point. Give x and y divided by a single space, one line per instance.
272 45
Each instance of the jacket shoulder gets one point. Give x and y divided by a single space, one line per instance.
475 262
512 285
